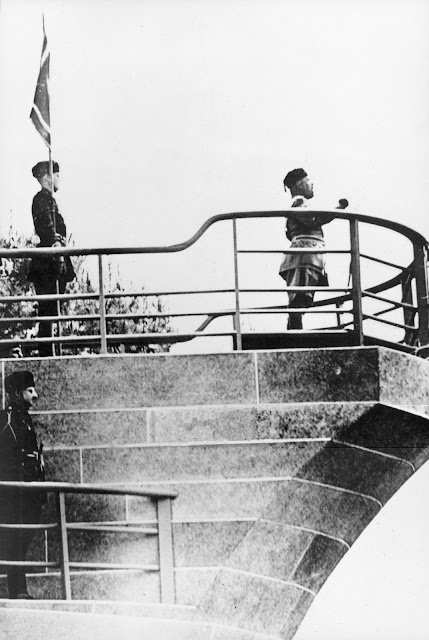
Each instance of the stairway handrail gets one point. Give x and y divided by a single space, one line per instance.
165 538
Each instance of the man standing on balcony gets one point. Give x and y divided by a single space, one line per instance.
304 230
21 460
45 272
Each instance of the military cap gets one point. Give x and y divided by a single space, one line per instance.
293 177
18 381
42 168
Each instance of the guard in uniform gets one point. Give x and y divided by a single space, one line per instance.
21 459
49 225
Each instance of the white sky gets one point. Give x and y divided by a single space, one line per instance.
167 112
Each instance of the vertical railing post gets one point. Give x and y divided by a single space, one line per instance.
64 548
420 265
410 335
237 319
59 329
356 282
165 538
102 305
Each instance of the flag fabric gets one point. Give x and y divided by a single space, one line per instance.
40 113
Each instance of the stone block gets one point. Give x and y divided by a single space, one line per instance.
198 544
392 431
404 378
270 549
192 582
215 500
141 381
322 509
178 463
135 586
318 562
107 546
202 424
367 473
89 428
62 465
51 625
255 603
319 375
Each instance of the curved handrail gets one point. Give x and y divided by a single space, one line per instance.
409 233
420 246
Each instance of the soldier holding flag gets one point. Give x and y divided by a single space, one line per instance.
49 275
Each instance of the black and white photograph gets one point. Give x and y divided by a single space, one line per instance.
214 319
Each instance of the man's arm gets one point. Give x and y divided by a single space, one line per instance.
43 211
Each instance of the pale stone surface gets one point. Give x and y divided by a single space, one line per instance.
206 543
175 463
86 428
135 586
141 381
62 466
326 510
110 546
44 625
202 424
270 549
205 500
404 379
319 375
257 604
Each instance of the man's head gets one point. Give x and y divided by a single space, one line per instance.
20 387
42 174
298 183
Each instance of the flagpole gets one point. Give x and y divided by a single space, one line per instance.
40 116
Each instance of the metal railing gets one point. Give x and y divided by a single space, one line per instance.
163 530
412 280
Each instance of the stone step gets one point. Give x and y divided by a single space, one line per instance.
131 608
202 424
191 548
51 625
355 374
181 462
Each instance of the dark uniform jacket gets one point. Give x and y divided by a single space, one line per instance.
50 227
20 454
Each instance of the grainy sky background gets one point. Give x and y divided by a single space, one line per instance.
167 112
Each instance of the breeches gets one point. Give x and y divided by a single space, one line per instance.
303 277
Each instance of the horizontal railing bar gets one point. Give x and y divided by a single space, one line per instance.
113 565
368 316
51 525
59 296
28 563
309 310
380 261
95 296
321 289
115 529
119 337
68 487
398 304
294 250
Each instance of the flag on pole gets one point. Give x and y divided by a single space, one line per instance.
40 113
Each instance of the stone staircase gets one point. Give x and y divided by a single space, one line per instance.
280 458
